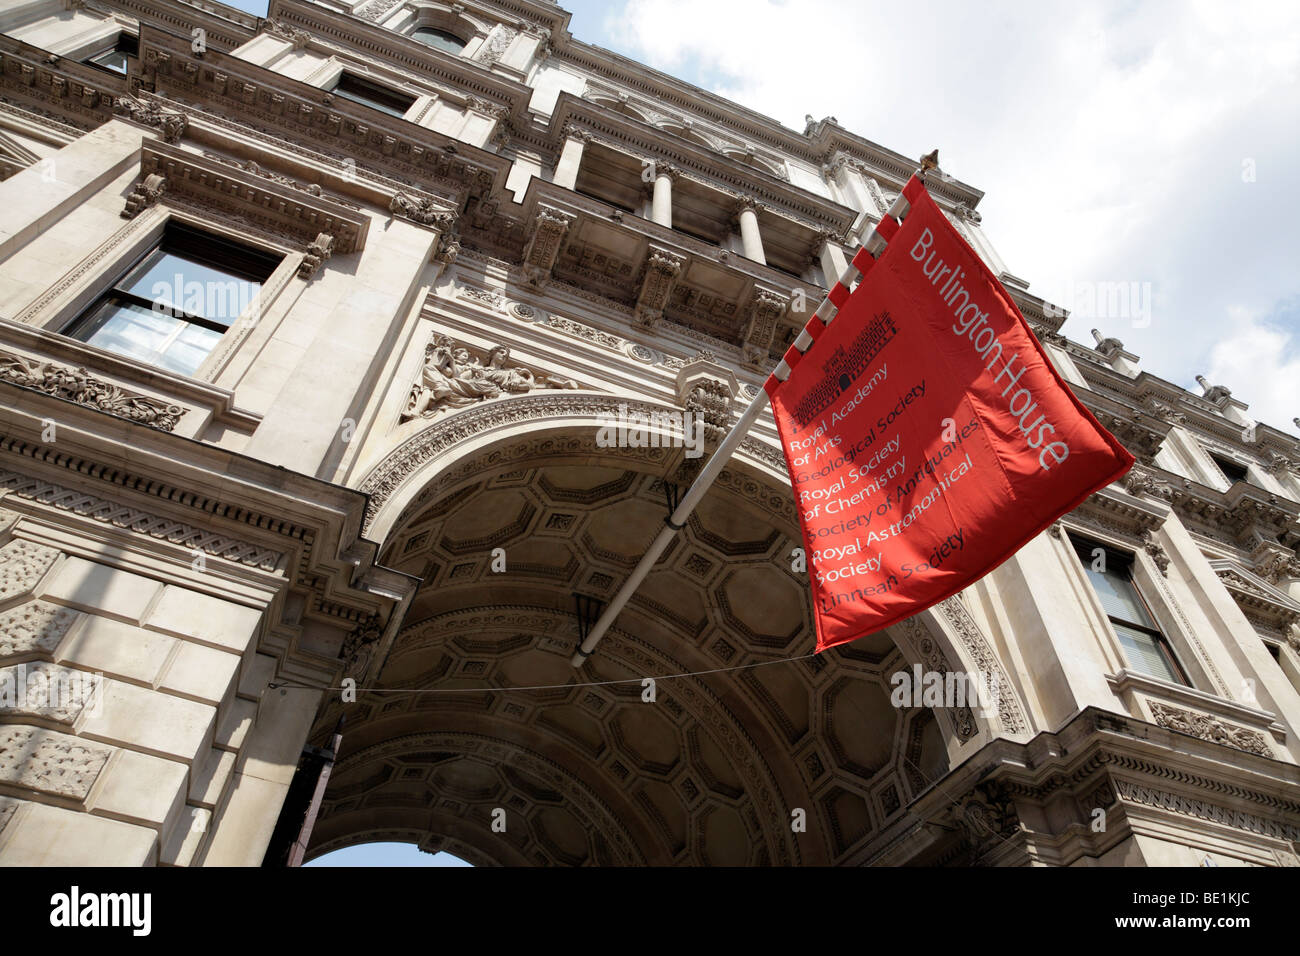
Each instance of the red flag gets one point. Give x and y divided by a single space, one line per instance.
927 435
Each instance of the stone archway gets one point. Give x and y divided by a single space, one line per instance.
718 766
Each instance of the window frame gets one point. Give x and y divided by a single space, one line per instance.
464 44
1228 467
1082 546
237 257
125 43
353 78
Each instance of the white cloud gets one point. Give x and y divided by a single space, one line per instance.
1265 356
1109 137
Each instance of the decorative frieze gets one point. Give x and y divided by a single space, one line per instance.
423 210
49 692
79 386
135 519
170 124
1209 728
498 42
283 31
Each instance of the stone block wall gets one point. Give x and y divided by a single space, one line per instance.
133 770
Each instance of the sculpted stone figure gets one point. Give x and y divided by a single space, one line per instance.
452 378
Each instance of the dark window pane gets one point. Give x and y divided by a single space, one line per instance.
439 39
1234 471
114 60
380 97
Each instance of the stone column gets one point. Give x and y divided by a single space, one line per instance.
750 239
833 260
566 170
661 206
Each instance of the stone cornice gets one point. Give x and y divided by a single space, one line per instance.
1100 759
285 109
66 91
226 27
349 33
622 132
292 211
1145 389
543 193
174 483
693 101
1263 604
1240 511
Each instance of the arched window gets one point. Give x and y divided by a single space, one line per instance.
439 39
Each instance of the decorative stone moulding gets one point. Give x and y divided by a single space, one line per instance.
1210 728
78 385
226 91
170 124
132 518
296 214
1265 606
765 311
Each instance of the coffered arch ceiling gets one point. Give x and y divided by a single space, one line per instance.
585 771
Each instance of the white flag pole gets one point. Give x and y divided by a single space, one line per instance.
874 245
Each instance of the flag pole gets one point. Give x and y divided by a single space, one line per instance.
825 312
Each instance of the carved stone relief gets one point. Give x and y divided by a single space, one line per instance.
33 628
49 762
48 691
454 378
78 385
22 565
1210 728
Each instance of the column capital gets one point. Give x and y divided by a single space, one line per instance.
745 203
573 131
672 172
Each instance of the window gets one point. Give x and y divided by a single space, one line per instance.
176 302
114 58
1111 574
439 39
360 90
1233 471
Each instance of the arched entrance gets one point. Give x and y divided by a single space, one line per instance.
505 525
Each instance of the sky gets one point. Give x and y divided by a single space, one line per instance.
1151 148
386 855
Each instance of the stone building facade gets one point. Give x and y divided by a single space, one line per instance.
410 256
